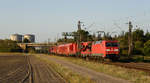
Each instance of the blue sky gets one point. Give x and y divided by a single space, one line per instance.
48 18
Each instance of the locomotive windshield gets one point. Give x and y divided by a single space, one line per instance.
111 44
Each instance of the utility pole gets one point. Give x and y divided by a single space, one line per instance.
130 38
79 38
79 25
79 30
78 35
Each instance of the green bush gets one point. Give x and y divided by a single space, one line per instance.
147 48
138 47
9 46
124 52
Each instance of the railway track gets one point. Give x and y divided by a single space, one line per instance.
138 66
131 65
14 69
29 76
27 69
11 74
42 72
22 74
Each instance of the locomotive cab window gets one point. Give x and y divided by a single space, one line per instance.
111 44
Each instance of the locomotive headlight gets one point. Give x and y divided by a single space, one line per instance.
107 49
116 50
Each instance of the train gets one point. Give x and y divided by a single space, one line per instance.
104 49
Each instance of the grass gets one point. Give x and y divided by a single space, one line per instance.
132 75
67 74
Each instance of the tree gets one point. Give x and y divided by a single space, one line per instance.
147 48
147 36
26 40
138 47
138 35
123 45
84 35
107 36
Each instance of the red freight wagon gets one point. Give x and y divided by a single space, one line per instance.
67 49
61 49
105 49
72 49
53 49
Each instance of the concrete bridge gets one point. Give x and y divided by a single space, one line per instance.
24 46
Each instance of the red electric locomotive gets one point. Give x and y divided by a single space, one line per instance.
105 49
86 49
